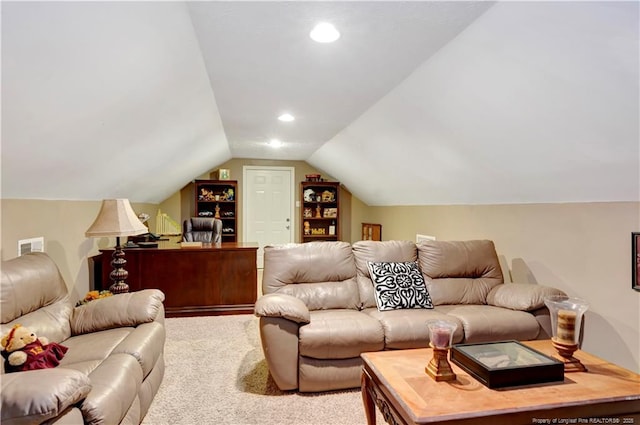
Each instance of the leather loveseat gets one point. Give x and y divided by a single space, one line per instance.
114 364
319 312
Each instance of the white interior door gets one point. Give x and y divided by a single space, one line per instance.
268 206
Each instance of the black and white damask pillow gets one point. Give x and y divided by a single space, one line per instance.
399 285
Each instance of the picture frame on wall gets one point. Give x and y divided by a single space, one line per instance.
635 260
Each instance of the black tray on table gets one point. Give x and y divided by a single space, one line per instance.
506 363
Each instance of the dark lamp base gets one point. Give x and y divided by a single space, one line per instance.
118 274
119 288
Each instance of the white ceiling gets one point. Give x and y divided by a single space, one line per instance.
416 103
261 62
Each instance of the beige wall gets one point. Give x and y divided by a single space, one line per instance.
62 223
171 207
583 249
182 203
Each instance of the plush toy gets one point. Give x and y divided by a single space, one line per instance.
23 350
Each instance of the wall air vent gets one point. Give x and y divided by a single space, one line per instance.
30 245
420 238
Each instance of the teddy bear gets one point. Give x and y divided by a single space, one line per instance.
23 350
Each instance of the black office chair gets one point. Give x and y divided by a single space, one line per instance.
202 229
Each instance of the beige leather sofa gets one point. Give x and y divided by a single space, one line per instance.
114 364
319 313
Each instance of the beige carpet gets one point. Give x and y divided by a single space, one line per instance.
216 374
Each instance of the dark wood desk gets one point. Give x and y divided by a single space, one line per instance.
212 280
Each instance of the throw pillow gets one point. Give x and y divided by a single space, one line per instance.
399 285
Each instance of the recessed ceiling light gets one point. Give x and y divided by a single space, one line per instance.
286 117
324 32
275 143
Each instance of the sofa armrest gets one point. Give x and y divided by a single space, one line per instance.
130 309
280 340
282 305
38 395
520 296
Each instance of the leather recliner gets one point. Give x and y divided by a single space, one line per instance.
114 364
202 229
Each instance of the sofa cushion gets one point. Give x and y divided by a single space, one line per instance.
29 282
87 351
459 272
399 285
340 334
38 395
521 296
321 274
145 343
405 329
483 323
365 251
116 382
51 321
35 295
325 295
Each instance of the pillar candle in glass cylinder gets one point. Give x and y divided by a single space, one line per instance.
566 331
441 333
566 320
566 317
440 337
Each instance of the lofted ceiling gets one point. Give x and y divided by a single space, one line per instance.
417 103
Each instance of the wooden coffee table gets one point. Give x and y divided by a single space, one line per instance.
396 382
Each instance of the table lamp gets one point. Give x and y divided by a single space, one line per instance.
116 218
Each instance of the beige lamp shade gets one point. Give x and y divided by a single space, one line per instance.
116 218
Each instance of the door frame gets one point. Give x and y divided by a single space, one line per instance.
292 203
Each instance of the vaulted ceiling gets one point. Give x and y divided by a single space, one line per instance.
417 103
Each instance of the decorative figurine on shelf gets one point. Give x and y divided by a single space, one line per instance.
309 195
206 195
229 194
318 212
307 228
217 214
308 213
328 196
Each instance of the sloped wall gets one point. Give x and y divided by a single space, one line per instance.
533 102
